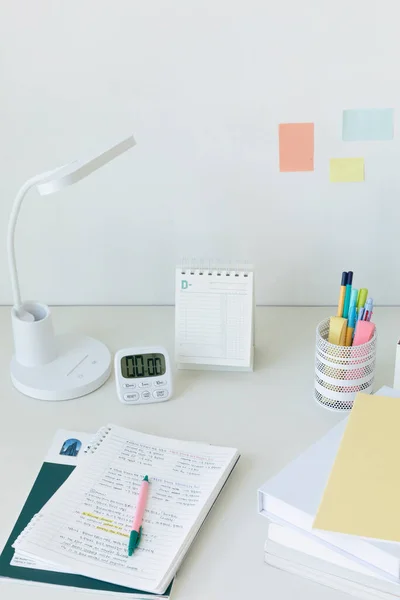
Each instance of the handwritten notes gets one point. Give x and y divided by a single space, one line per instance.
346 169
296 147
368 124
86 524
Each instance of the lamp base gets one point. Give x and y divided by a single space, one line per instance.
82 365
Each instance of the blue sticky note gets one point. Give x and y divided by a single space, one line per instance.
368 124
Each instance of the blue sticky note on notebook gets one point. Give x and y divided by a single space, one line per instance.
368 124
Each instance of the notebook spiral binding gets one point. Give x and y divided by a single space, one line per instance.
214 267
98 439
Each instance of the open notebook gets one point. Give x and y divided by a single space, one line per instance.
86 524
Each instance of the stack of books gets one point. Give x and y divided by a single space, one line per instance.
334 510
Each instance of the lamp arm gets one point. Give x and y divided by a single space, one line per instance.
12 222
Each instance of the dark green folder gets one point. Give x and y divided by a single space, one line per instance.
50 478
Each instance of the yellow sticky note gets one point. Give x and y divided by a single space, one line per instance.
337 331
346 169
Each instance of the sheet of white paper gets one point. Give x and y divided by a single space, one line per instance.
28 562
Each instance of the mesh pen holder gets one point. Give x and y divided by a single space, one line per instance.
342 371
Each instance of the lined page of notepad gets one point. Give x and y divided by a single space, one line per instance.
86 524
214 317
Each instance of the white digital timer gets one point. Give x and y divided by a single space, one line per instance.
143 375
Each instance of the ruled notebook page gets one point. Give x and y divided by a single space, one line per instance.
214 317
86 524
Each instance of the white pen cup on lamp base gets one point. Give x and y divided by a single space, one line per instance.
34 340
49 367
342 371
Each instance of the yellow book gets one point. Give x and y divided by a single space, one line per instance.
362 496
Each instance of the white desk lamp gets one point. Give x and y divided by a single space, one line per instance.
46 366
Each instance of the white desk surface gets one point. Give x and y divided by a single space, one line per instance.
270 415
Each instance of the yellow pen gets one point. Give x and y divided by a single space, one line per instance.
342 294
349 336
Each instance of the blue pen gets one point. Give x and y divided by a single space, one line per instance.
350 325
368 309
352 316
353 299
353 302
348 295
360 313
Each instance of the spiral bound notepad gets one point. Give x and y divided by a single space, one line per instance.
84 528
214 318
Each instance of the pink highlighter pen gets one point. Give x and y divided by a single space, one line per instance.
136 532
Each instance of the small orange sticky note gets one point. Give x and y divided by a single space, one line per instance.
296 147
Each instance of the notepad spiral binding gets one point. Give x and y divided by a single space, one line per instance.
342 371
219 268
98 439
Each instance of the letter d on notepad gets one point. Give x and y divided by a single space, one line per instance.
184 284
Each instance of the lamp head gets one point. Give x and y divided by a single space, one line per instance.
48 183
79 169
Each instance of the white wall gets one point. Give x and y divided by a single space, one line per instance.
203 86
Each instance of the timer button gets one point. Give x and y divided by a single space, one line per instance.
145 395
160 394
130 385
145 384
160 382
132 397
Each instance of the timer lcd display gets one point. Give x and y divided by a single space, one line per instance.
143 365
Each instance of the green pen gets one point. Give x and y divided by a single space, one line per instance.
362 298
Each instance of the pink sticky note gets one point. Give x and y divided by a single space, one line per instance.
296 147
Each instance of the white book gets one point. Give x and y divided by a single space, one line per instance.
85 526
214 318
290 544
337 583
293 495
